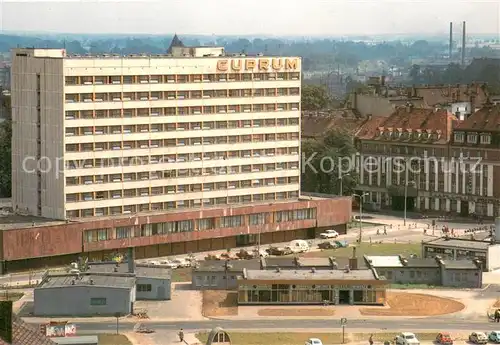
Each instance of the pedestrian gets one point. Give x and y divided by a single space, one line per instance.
181 335
497 315
371 339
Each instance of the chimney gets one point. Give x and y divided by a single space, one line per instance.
6 321
451 42
353 263
131 260
354 252
463 44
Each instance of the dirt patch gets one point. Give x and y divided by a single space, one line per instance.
284 312
219 303
496 304
413 304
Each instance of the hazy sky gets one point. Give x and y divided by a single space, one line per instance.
271 17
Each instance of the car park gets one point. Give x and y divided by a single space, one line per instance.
444 339
494 337
407 338
314 341
478 338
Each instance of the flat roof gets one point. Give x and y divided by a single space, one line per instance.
143 271
11 221
459 243
309 275
460 264
97 280
219 265
384 260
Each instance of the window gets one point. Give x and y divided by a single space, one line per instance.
485 139
257 219
231 221
123 232
144 288
206 224
472 138
98 301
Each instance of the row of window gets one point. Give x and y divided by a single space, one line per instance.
484 138
160 143
200 224
179 78
179 95
171 174
191 157
179 189
174 111
184 126
186 204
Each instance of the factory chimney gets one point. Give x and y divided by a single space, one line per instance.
131 260
463 44
451 42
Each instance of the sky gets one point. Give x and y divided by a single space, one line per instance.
251 17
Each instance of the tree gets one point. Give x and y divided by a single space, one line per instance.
5 148
329 163
314 97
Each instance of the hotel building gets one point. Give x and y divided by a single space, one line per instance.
185 152
121 135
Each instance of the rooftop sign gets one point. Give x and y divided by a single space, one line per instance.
264 65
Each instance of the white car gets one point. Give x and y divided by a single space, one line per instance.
261 253
407 338
181 262
329 234
168 264
153 263
314 341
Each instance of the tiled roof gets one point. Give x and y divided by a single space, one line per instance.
435 95
315 125
411 121
2 342
485 119
25 334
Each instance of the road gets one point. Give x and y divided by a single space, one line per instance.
357 325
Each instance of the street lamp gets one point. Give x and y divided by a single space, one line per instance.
341 179
360 196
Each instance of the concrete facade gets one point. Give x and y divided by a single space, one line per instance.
86 295
108 135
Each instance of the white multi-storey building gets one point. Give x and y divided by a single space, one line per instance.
105 135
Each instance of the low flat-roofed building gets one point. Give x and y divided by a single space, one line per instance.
85 294
80 340
152 282
430 271
482 247
311 287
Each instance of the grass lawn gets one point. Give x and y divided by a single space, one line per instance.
293 338
180 275
113 339
364 248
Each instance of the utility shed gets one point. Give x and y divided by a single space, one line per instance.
85 294
152 282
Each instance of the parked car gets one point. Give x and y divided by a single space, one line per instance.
328 245
407 338
181 262
314 341
168 264
154 263
494 337
478 338
279 251
260 253
329 234
444 339
298 246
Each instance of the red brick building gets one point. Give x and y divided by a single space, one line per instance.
40 243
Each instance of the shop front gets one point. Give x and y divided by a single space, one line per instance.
320 290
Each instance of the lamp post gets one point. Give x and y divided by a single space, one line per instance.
341 179
360 196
